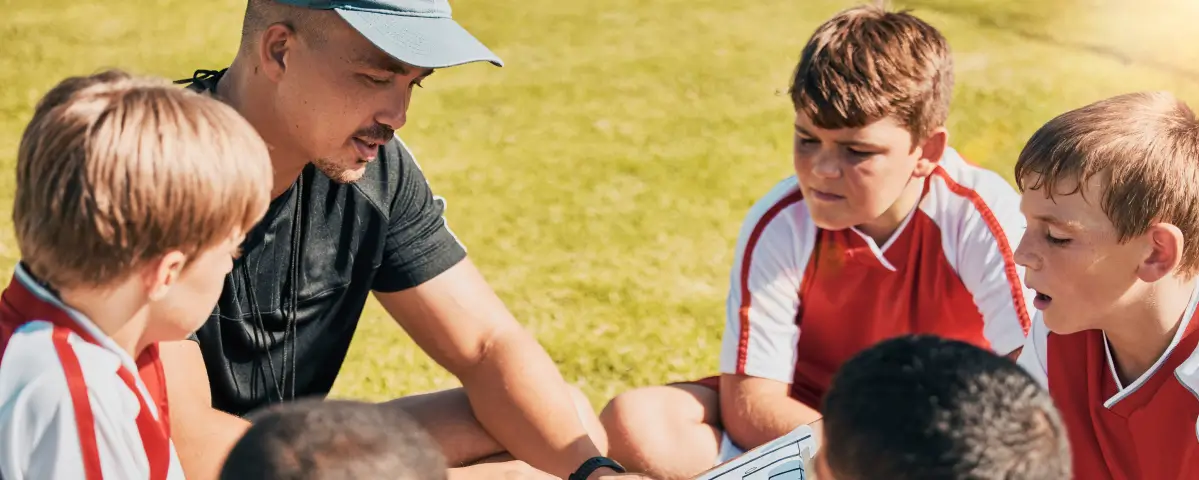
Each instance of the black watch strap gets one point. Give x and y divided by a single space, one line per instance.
594 463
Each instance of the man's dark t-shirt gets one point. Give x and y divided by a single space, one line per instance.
293 300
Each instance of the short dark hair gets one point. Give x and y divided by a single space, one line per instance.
921 406
334 439
261 14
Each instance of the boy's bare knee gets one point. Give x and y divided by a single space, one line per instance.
631 412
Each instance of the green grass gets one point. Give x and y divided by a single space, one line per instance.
599 179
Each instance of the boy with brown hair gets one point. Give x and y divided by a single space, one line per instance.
884 230
132 197
1110 192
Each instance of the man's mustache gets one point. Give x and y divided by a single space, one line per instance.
377 133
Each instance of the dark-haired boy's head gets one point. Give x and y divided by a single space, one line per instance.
334 439
923 407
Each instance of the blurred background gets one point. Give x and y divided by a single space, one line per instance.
599 179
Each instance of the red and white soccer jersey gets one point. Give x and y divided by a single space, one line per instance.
1147 429
72 405
802 300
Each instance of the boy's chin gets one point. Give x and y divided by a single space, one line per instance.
1063 324
832 221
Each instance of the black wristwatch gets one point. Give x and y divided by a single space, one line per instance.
594 463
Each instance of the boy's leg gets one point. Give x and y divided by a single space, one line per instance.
667 432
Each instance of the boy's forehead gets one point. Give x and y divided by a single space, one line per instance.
881 130
1068 202
1062 186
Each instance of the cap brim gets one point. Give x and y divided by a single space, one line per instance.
420 41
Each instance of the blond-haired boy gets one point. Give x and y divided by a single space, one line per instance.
132 197
884 230
1110 192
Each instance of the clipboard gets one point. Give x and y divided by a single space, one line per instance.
786 458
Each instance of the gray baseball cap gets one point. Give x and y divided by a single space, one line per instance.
417 32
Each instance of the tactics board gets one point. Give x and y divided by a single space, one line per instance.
786 458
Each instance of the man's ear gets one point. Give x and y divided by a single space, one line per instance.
1164 252
931 151
273 47
160 276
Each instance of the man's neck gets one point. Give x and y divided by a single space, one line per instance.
1140 334
117 312
241 89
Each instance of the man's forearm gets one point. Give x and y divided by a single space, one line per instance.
754 420
204 440
203 436
521 399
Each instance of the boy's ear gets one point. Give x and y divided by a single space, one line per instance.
273 48
164 273
931 151
1165 252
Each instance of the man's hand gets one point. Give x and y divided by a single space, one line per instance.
610 475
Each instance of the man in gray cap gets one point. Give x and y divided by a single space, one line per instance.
327 83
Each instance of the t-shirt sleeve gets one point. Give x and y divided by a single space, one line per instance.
38 433
42 434
1033 354
988 270
760 315
38 438
419 244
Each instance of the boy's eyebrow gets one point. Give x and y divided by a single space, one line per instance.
850 143
1053 220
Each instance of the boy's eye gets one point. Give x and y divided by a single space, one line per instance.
806 140
860 153
1057 241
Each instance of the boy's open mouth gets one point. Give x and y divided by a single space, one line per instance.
1041 301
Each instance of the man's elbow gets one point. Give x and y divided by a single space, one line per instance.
490 353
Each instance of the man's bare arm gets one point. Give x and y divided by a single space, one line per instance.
514 387
202 435
755 410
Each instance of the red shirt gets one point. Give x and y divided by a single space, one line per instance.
1145 430
802 299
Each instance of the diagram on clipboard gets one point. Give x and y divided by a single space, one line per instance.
786 458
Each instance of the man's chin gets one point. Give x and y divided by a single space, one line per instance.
340 173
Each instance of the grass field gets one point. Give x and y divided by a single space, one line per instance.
599 179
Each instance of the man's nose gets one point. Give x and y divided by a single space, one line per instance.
395 115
